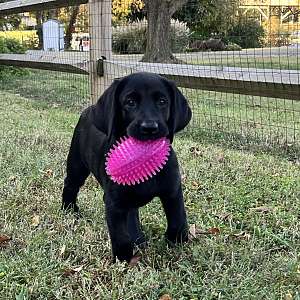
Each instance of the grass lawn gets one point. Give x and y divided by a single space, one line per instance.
244 204
279 62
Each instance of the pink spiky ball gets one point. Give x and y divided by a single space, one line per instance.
132 161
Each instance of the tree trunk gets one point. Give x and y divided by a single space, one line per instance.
159 13
71 27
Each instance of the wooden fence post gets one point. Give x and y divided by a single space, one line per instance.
100 44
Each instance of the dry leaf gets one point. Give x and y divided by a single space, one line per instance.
214 230
242 236
62 250
196 151
192 231
263 209
223 216
4 238
165 297
195 185
35 221
49 173
134 261
288 296
70 271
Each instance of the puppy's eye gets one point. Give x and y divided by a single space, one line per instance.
162 101
130 102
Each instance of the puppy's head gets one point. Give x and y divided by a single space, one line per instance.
144 106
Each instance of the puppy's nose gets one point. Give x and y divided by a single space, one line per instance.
149 127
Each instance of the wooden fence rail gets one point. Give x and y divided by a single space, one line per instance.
250 81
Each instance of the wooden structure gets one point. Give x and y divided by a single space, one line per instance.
103 68
272 10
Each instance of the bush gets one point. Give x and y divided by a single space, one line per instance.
132 38
9 45
233 47
247 33
28 38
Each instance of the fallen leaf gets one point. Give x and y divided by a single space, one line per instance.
223 216
71 271
78 269
263 209
134 261
165 297
196 151
35 221
242 236
288 296
4 238
195 185
62 250
214 230
49 173
192 231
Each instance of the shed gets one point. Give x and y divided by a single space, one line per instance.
53 35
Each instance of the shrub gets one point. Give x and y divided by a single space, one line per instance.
247 33
28 38
132 38
233 47
9 45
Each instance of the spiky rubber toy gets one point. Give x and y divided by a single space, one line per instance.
132 161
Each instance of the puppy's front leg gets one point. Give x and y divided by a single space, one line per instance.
177 231
122 245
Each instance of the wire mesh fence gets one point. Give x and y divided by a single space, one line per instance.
241 42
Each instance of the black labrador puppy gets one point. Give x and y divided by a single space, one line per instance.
144 106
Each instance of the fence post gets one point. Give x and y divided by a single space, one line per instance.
100 44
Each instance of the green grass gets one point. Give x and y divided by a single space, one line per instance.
255 255
279 62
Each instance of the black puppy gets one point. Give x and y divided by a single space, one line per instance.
144 106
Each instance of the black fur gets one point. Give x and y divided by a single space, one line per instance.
145 106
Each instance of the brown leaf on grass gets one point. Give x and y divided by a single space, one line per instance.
165 297
223 216
196 151
241 236
134 261
214 230
35 221
49 173
288 296
195 185
4 239
194 231
71 271
263 209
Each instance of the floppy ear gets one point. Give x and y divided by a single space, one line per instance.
180 112
106 112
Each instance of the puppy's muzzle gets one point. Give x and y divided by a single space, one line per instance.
149 127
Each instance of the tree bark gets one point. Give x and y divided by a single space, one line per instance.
159 13
71 27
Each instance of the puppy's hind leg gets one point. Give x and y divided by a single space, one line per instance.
77 173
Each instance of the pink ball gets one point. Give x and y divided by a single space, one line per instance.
133 161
